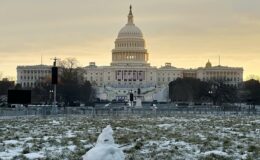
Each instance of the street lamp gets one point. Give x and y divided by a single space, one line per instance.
211 95
212 92
51 92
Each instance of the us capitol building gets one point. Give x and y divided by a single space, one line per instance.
130 70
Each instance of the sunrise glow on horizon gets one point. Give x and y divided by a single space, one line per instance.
185 33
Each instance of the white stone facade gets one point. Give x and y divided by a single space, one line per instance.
229 75
30 76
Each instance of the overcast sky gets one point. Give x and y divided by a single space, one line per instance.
184 32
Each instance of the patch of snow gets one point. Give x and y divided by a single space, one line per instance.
83 141
33 155
9 154
69 134
164 126
202 137
244 156
216 152
11 142
54 122
256 121
72 148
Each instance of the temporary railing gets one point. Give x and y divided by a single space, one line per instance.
122 111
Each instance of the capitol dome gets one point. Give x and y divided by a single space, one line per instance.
130 45
130 30
208 64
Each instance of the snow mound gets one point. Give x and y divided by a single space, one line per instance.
33 155
216 152
106 137
105 148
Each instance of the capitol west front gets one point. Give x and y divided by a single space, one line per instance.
130 70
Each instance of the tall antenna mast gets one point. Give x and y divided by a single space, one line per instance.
219 60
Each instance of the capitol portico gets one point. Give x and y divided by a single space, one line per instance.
130 70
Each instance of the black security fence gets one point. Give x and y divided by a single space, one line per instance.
122 110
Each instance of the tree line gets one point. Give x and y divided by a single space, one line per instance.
216 92
72 89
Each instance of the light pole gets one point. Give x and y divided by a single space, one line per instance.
50 97
213 91
55 80
54 71
211 95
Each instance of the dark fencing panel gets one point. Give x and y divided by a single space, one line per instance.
19 96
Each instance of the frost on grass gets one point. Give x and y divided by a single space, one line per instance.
180 137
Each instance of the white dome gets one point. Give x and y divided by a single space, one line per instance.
130 31
130 45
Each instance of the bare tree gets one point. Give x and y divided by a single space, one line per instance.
72 86
253 76
10 78
69 63
6 78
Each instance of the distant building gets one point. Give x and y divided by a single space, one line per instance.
168 73
229 75
130 70
30 76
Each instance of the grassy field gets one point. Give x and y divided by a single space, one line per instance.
179 137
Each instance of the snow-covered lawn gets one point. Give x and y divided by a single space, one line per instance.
179 137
